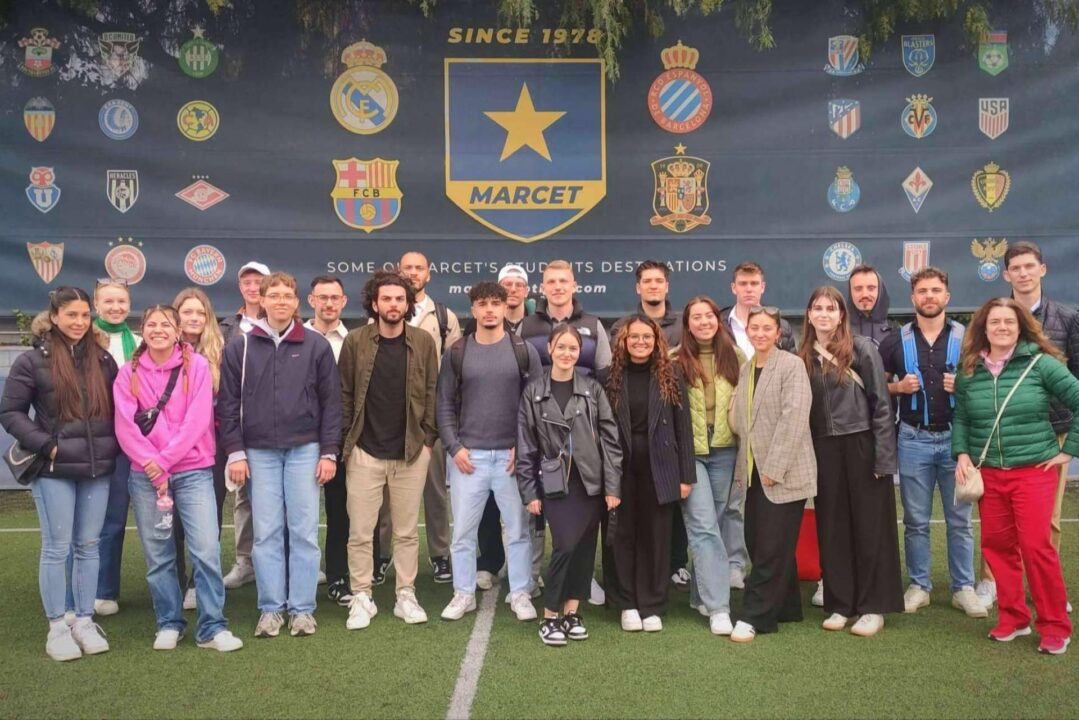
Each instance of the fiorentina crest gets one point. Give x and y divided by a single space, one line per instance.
365 193
917 186
680 201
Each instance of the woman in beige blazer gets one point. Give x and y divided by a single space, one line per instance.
770 414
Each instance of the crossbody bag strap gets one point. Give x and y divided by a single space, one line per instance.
243 377
831 358
164 399
1000 412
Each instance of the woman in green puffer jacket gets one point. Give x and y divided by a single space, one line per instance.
1005 353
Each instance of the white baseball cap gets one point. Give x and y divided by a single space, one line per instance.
512 270
252 266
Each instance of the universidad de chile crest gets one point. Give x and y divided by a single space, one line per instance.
526 151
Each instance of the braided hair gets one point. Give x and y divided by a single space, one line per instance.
185 348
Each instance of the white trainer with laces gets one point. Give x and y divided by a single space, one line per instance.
166 639
868 625
360 611
986 590
89 636
652 623
631 621
302 625
60 646
408 607
967 600
241 574
223 641
818 597
720 623
915 598
269 625
835 621
459 604
106 607
485 580
521 605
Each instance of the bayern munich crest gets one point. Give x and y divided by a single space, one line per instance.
988 253
204 265
42 191
844 193
125 261
365 193
844 117
993 116
680 202
919 119
364 99
47 259
840 259
680 100
843 56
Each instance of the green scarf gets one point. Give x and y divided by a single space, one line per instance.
126 336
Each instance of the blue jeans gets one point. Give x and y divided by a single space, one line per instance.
468 497
112 534
196 505
925 461
715 528
284 493
70 513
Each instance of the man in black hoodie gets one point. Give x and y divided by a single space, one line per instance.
869 304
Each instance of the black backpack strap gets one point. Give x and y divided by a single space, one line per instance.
443 317
520 351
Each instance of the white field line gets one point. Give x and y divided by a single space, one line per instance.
468 678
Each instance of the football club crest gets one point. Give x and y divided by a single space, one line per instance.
47 259
201 194
42 191
125 261
526 149
39 116
364 99
680 202
365 193
919 53
122 188
993 116
119 51
993 52
198 56
844 117
204 265
989 252
917 186
843 56
990 186
919 119
118 119
38 59
840 259
915 258
198 120
844 193
680 100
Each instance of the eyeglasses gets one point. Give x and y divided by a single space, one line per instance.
277 297
323 299
102 282
641 338
766 309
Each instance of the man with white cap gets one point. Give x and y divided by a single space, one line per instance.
515 280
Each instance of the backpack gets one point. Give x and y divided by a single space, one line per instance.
443 317
910 361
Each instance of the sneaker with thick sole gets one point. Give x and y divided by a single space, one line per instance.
408 607
835 621
60 646
191 601
1054 645
360 611
720 623
485 580
631 621
743 632
89 636
269 625
459 604
241 574
818 595
302 625
738 578
652 623
321 577
573 627
967 600
382 567
551 632
441 566
521 605
223 641
166 639
986 590
1002 634
339 592
596 594
106 607
680 578
868 625
915 598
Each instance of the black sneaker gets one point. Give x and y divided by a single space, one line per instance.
340 592
381 568
551 632
573 627
441 565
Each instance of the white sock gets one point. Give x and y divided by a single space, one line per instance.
59 623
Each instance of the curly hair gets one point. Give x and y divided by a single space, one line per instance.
385 278
663 367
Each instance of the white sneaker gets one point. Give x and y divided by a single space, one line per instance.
701 609
986 590
652 623
269 625
521 605
69 618
321 577
460 604
241 574
485 580
106 607
408 607
1068 607
720 624
835 621
302 625
360 611
967 600
190 600
868 625
743 632
597 595
631 621
738 578
166 639
89 636
914 599
223 641
534 592
818 597
60 646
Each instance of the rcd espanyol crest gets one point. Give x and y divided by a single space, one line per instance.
364 99
680 100
47 259
919 52
39 116
122 188
840 259
42 191
843 56
681 199
365 193
844 193
844 117
919 119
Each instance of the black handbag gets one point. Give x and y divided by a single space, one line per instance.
554 472
25 466
146 419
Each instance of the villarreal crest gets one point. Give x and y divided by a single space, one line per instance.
365 194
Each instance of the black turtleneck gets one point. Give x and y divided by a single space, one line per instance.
639 376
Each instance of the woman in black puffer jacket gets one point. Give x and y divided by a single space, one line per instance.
67 380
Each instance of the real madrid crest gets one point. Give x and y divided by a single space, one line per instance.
919 119
680 100
125 261
42 191
990 186
39 116
365 193
198 56
844 193
47 259
364 99
680 201
38 61
988 254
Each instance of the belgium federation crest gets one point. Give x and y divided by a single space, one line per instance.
526 152
990 186
364 98
988 254
47 259
844 193
680 202
39 116
844 117
843 56
680 100
919 53
365 193
919 119
993 52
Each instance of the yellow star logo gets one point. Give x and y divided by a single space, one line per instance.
524 126
680 149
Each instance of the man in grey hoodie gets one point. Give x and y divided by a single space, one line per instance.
869 304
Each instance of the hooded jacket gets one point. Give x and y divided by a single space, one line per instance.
874 324
595 347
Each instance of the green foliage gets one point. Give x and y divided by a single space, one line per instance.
22 323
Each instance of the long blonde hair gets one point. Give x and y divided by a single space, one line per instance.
211 343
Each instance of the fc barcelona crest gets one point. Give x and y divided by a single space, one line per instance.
39 116
919 119
993 116
47 259
364 98
680 202
122 188
993 52
988 254
38 61
917 186
915 258
365 193
119 52
990 186
42 191
844 193
919 53
844 117
680 100
843 56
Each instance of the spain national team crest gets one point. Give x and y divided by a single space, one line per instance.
364 99
202 194
122 188
119 53
993 116
204 265
840 259
365 194
919 53
915 258
844 193
125 261
990 186
47 259
843 57
198 56
118 119
993 52
680 100
917 187
844 117
39 116
680 202
526 150
988 253
198 120
42 191
919 119
38 61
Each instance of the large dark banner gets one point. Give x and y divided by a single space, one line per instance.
168 145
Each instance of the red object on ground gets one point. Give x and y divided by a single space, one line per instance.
808 552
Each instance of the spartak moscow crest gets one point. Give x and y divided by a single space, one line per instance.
365 193
990 186
47 259
680 201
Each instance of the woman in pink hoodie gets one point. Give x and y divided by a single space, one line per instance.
174 458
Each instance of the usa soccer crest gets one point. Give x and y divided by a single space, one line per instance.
993 116
365 194
125 261
840 259
364 99
204 265
680 202
39 116
993 52
119 52
680 100
990 186
42 191
47 259
198 120
198 56
915 258
917 186
844 117
526 152
843 56
38 61
988 254
919 119
919 53
118 119
201 194
844 193
122 188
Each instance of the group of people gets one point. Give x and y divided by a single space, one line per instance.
696 434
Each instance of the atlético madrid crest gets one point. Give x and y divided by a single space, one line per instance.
843 56
844 117
39 116
681 198
680 100
990 186
364 99
47 259
365 193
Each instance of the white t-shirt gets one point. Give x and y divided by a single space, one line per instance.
740 337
